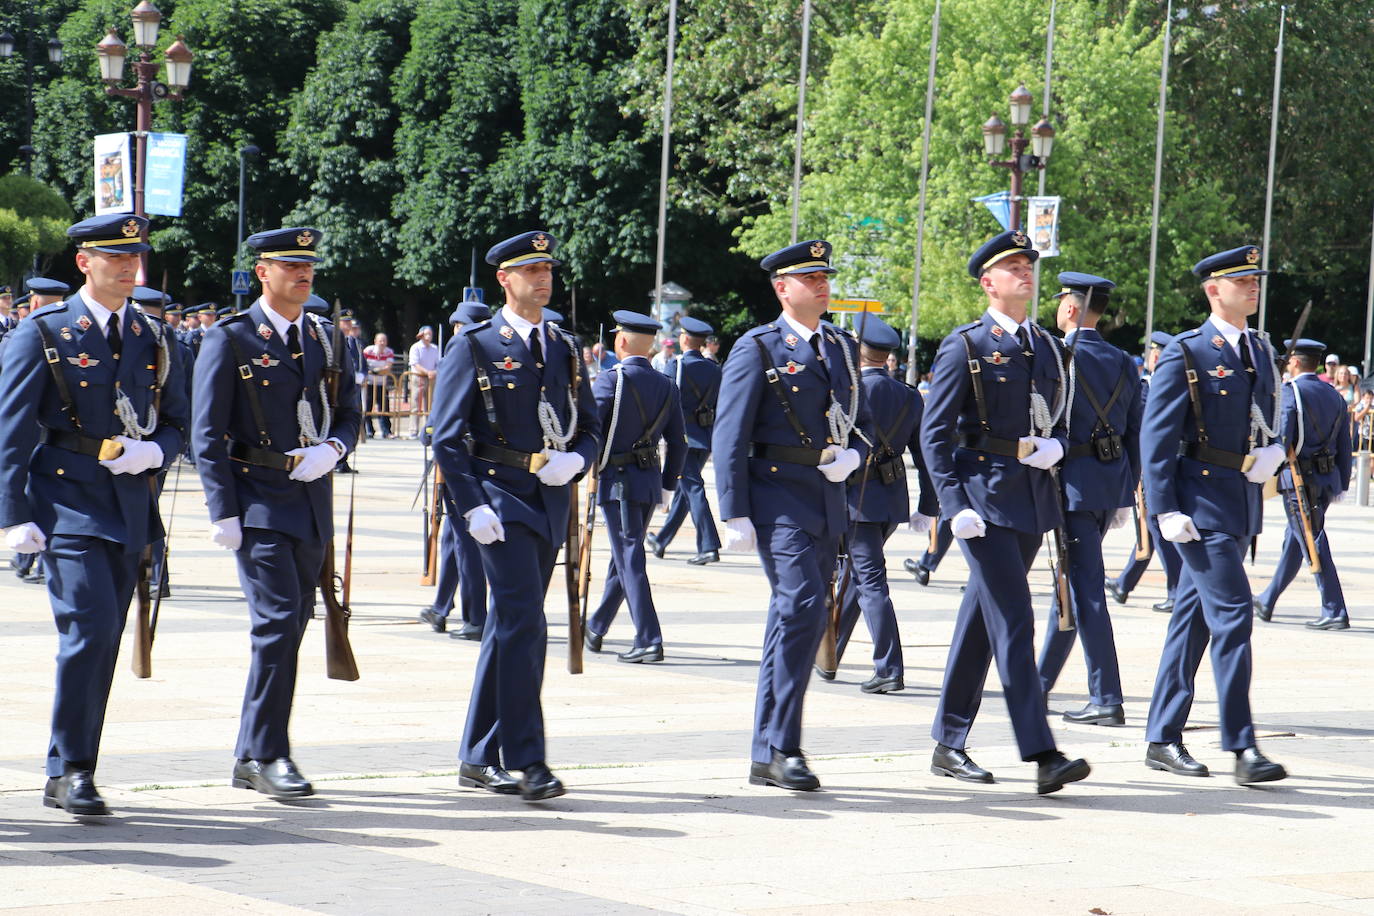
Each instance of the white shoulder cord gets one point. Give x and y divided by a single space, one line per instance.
842 422
555 436
124 408
1257 423
619 370
304 415
1041 420
1302 421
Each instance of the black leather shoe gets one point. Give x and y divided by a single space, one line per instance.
641 654
491 778
1328 623
35 578
1173 757
656 547
467 631
1097 714
951 761
1117 594
75 793
1263 611
278 778
1164 607
878 684
916 569
784 772
701 559
430 616
1052 775
823 674
538 783
592 640
166 591
1253 767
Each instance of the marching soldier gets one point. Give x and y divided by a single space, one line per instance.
267 433
82 432
698 384
1121 588
878 503
1098 478
1316 424
7 320
993 430
516 388
636 407
790 398
151 302
941 541
1208 442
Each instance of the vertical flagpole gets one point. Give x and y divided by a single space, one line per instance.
801 115
1366 368
911 373
1045 108
1273 147
1159 168
663 162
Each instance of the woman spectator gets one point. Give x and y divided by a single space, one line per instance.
1347 383
424 366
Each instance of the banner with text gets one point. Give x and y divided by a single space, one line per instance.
166 173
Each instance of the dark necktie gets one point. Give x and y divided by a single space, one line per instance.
1023 338
1246 359
293 341
112 336
536 350
816 345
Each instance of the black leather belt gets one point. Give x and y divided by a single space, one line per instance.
263 458
1090 447
1218 456
524 461
1009 448
792 454
82 444
643 456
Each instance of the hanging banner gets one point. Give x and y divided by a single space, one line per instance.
999 205
114 174
1044 225
165 174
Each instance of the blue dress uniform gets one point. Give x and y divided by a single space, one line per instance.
248 390
1208 400
941 540
985 388
1316 424
636 406
698 383
63 380
767 457
146 297
1098 476
878 505
493 390
1167 550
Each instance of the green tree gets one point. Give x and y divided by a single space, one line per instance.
35 224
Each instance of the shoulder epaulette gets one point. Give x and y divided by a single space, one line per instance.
1195 332
49 309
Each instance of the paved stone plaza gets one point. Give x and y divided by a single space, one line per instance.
659 814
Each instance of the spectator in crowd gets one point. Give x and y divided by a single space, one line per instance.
665 353
712 351
424 367
1346 381
378 358
603 359
589 361
1333 362
923 385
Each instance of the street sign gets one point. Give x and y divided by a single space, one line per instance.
872 306
240 283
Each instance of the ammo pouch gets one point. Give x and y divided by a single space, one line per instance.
704 415
1320 463
889 468
1108 448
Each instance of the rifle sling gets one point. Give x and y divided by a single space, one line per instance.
64 393
484 388
775 382
254 402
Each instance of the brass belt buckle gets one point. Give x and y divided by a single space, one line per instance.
1024 449
110 449
291 462
537 461
1247 463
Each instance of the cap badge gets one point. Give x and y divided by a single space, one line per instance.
266 361
305 239
136 327
790 340
82 360
997 330
1018 239
130 228
540 243
1252 256
506 331
1220 372
507 364
83 322
996 358
264 331
818 250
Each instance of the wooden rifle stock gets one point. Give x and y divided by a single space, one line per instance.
1066 619
572 553
1143 547
142 661
585 556
434 517
338 652
1314 563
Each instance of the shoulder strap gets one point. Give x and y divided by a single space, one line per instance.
886 437
770 372
64 393
1194 398
1103 418
254 403
975 369
484 387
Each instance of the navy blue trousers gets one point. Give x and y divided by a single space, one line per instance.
1087 590
1168 558
867 591
799 567
1294 555
944 537
23 562
460 573
90 584
1212 602
995 620
691 494
626 578
279 574
505 724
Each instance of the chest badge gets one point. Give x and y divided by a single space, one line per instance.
790 340
1218 341
136 327
997 330
81 360
997 358
506 331
792 367
66 333
266 361
1220 372
83 322
265 331
507 364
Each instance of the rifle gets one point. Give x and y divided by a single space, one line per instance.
338 652
1066 619
145 619
572 552
1300 495
1142 524
434 526
585 556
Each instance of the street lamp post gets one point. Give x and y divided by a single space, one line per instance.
1041 141
244 153
7 46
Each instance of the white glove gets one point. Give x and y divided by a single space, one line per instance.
919 524
316 461
1340 497
139 455
845 462
1177 527
665 500
25 538
562 467
358 378
1046 455
1119 518
227 533
1267 461
739 535
484 526
967 524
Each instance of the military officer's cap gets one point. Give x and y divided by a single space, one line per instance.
535 247
296 245
1160 339
1306 346
318 305
206 308
998 247
695 326
551 315
173 312
801 258
1229 265
225 312
147 296
22 300
114 233
44 287
6 291
635 323
470 313
878 335
1071 281
346 315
